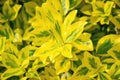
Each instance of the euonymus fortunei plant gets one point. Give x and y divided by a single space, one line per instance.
59 39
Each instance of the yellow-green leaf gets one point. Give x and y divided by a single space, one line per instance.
90 61
83 42
106 43
74 3
103 76
16 9
62 65
12 72
115 51
2 44
10 61
30 7
108 7
65 6
46 50
74 31
66 50
70 18
104 47
90 1
86 9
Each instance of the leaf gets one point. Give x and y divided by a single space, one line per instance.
30 8
74 31
46 50
82 72
43 34
65 6
114 71
108 7
74 3
90 61
117 2
2 44
58 28
106 42
86 9
17 36
8 32
115 21
10 61
55 9
98 8
62 65
90 1
115 51
2 18
66 50
11 72
83 42
9 12
24 56
70 18
76 64
57 32
38 64
104 47
32 74
16 9
103 76
11 49
23 78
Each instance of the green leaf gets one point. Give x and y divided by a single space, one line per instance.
104 47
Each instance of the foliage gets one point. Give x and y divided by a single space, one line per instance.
59 39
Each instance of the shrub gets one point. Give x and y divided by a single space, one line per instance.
59 39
